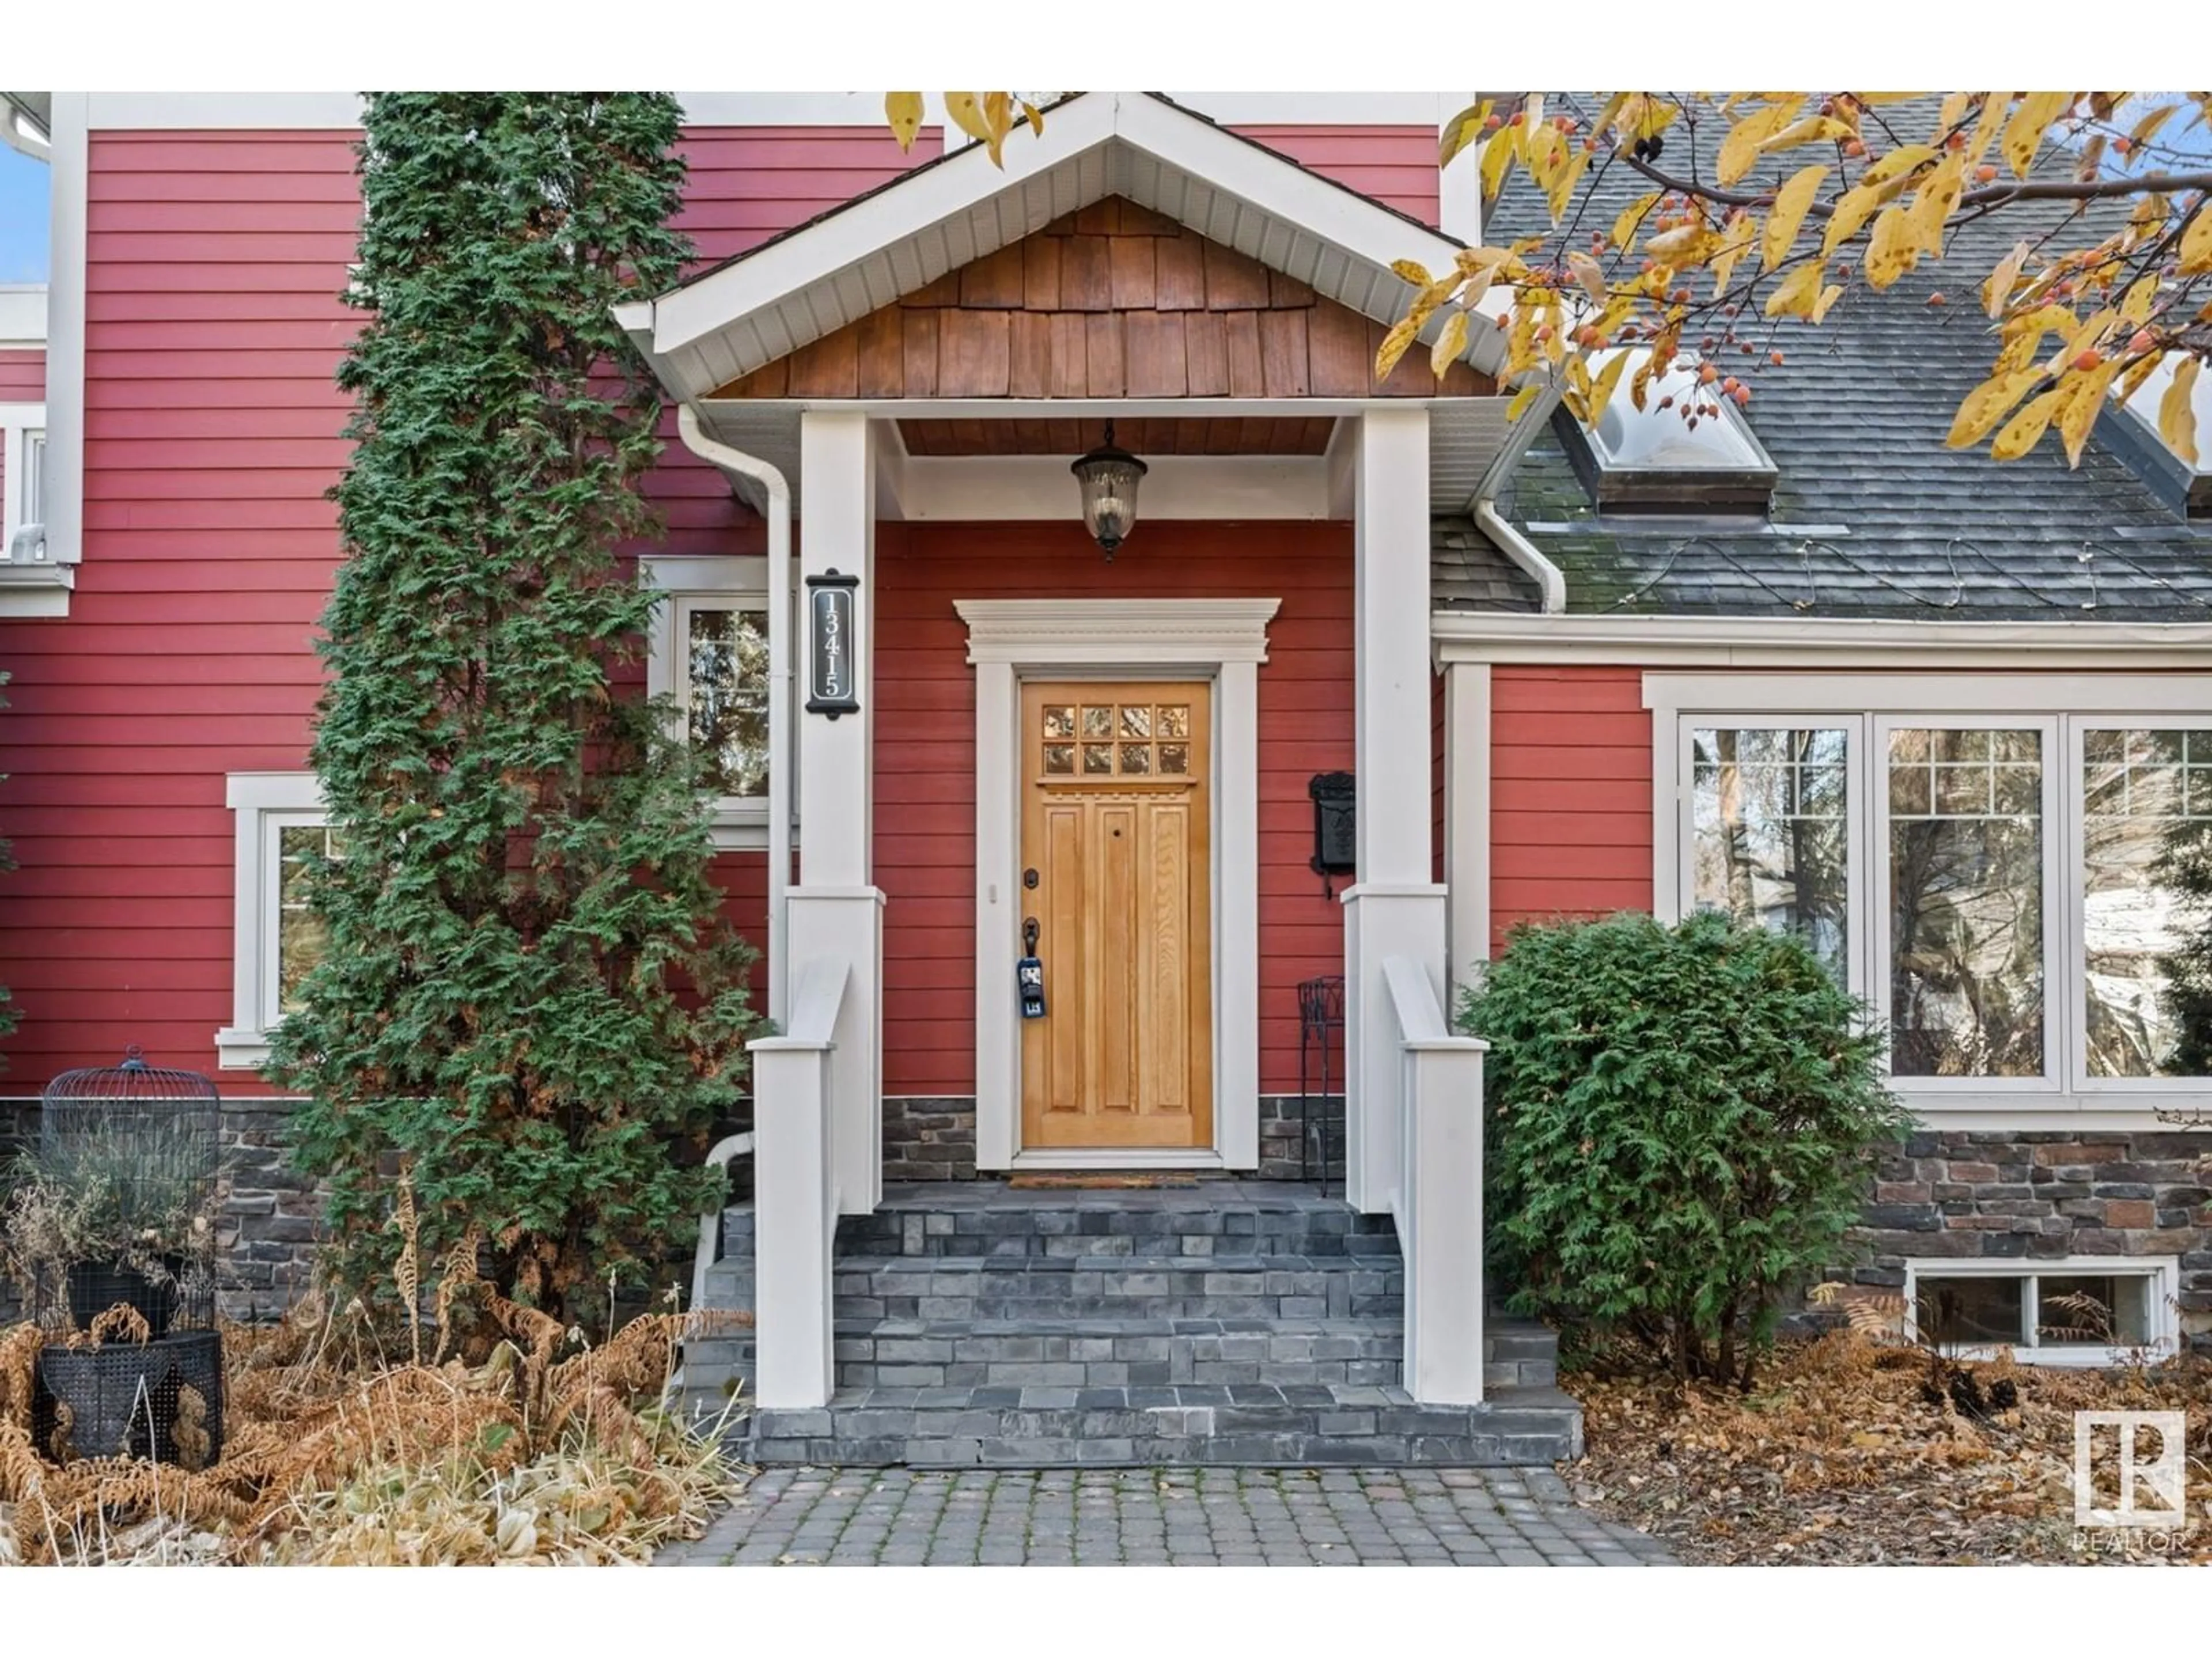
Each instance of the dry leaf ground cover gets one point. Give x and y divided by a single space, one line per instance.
524 1444
1853 1451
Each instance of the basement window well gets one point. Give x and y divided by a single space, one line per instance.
2081 1311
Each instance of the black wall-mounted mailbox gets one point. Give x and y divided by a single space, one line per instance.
1336 840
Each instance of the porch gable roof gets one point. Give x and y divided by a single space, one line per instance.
820 277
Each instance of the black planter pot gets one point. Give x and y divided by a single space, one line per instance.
162 1401
94 1287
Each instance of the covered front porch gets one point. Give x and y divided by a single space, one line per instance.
992 751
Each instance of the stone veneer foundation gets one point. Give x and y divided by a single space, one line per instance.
1981 1194
933 1138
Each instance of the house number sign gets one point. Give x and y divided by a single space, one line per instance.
832 688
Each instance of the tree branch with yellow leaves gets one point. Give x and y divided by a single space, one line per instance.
2078 316
2080 311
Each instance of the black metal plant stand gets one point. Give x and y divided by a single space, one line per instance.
1321 1022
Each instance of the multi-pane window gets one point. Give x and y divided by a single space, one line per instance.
709 658
1769 810
2001 891
725 696
1116 740
2146 805
1965 902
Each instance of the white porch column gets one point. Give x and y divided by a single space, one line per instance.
835 911
1466 821
1396 908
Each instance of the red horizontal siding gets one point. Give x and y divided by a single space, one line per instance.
1569 794
22 377
926 756
1397 165
215 261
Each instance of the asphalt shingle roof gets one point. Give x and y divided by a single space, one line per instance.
1872 515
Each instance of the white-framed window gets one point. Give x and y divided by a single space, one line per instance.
1979 858
22 463
2078 1310
709 653
279 827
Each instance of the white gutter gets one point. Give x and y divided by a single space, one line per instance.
778 493
1525 553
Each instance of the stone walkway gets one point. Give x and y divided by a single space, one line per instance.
1162 1518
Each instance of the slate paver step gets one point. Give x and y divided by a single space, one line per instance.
961 1219
1092 1349
1248 1424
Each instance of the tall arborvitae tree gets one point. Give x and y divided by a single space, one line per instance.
529 1000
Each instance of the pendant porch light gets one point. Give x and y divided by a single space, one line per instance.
1107 477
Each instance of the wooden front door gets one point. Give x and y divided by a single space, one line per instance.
1114 782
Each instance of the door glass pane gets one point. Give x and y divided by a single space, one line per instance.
2146 818
1965 903
728 695
1971 1311
1769 832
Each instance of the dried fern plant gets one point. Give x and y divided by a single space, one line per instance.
514 1443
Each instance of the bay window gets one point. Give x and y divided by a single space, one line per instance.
1987 862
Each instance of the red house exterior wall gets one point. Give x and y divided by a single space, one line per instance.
1397 165
22 377
1569 794
926 751
214 262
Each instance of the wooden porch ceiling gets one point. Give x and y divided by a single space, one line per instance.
1294 434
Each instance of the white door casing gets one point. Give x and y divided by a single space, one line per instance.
1223 641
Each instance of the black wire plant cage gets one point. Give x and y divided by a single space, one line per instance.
133 1154
112 1230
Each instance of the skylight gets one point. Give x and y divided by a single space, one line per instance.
1687 450
2186 485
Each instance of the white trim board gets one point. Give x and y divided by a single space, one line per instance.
1223 641
64 482
1813 642
22 316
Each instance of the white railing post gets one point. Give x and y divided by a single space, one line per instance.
1439 1198
795 1194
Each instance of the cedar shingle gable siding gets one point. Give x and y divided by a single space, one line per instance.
1111 301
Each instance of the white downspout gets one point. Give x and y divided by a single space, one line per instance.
780 736
1525 553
